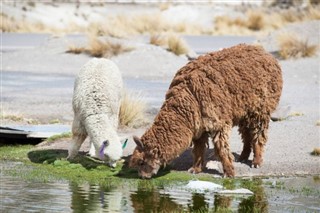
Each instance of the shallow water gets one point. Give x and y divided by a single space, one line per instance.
295 194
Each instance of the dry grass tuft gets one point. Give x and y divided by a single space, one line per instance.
255 20
318 123
147 23
75 49
263 20
177 44
164 6
291 46
159 40
235 26
9 115
172 42
313 13
98 48
132 110
12 116
316 151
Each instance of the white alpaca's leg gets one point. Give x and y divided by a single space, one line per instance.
92 151
79 134
75 145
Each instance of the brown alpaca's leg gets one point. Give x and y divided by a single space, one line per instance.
222 150
198 151
246 139
254 136
259 140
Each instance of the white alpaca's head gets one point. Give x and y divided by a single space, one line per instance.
111 151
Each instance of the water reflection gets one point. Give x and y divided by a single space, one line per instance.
92 198
26 196
89 198
256 203
19 195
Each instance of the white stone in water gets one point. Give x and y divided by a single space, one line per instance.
198 185
237 191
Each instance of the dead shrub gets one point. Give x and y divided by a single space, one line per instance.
172 42
177 44
132 110
316 152
290 16
159 40
291 46
236 26
75 49
255 20
313 13
99 48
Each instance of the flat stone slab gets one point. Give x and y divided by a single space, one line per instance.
32 131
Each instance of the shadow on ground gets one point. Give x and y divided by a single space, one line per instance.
49 156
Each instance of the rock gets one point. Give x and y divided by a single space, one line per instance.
201 186
281 113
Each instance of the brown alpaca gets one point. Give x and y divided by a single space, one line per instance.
237 86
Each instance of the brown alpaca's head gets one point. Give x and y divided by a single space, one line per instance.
145 161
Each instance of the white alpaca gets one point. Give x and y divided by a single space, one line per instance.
96 105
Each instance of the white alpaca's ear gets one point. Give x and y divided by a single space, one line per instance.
105 143
138 142
124 143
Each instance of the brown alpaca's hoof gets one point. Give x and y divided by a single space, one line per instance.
195 170
229 173
256 163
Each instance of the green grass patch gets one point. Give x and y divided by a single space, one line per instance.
15 153
51 165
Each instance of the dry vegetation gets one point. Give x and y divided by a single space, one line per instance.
260 19
172 42
292 46
316 152
126 25
9 116
132 110
263 20
99 48
10 24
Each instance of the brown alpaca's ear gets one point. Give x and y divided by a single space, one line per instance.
138 142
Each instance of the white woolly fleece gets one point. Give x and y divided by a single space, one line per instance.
101 132
96 103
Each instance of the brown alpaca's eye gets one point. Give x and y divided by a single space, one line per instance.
141 162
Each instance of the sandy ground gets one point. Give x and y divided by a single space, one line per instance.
290 141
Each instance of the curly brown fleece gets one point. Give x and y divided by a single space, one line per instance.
237 86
